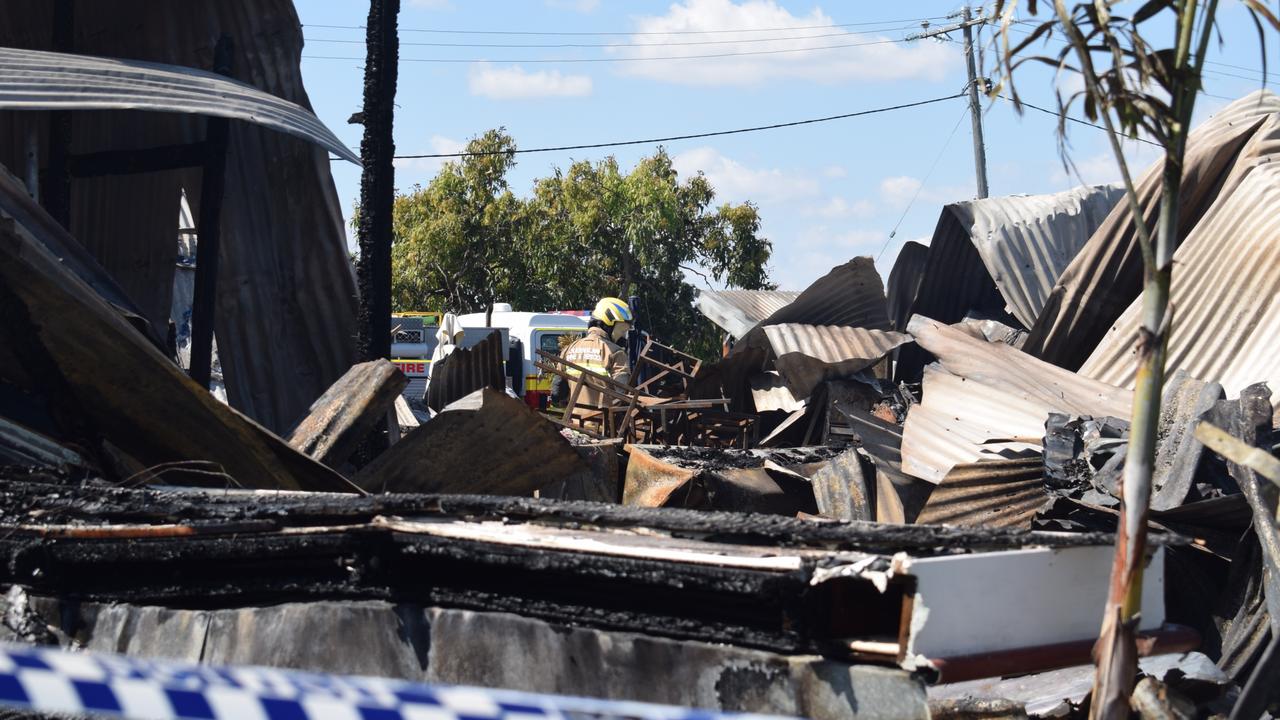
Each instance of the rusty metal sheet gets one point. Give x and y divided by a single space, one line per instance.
843 490
287 288
1226 289
851 295
42 80
764 481
487 443
999 493
770 393
466 370
737 311
807 355
1106 276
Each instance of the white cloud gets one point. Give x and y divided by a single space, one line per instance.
856 57
898 191
582 6
805 257
837 208
835 171
736 182
514 82
1101 167
421 169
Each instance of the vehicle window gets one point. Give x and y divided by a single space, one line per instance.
549 343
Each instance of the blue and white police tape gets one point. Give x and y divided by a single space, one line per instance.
55 681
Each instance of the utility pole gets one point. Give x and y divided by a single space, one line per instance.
975 109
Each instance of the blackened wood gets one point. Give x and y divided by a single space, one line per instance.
347 411
209 229
377 181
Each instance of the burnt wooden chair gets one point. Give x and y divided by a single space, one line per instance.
672 370
617 417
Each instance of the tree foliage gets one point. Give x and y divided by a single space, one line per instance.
586 231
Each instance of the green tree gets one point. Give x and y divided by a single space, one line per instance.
603 232
465 240
454 240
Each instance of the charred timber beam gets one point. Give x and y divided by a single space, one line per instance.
209 229
129 162
377 182
57 178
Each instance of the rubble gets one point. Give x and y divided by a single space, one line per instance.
866 491
348 411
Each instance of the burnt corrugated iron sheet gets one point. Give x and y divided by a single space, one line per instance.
851 294
1026 241
994 493
904 282
953 286
465 371
990 400
737 311
1106 275
286 292
36 80
1225 294
810 354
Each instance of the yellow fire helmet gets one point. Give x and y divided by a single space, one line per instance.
611 311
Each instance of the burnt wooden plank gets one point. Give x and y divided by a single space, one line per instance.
348 411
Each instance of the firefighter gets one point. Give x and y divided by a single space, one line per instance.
599 351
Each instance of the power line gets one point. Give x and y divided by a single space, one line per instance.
662 32
694 136
617 59
1074 120
893 233
619 45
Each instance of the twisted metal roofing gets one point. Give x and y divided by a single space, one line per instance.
41 80
809 354
1225 294
989 400
737 311
1106 275
1026 241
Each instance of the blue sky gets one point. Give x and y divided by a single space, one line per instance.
826 192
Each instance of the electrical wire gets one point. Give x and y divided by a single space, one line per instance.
1074 120
694 136
737 41
662 32
618 59
894 232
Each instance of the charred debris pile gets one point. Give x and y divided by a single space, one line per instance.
923 478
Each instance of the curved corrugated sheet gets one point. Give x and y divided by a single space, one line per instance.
36 80
904 282
737 311
286 291
1225 294
1106 275
994 493
851 294
954 285
810 354
990 400
1026 241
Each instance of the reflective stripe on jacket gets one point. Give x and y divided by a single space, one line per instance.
598 354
